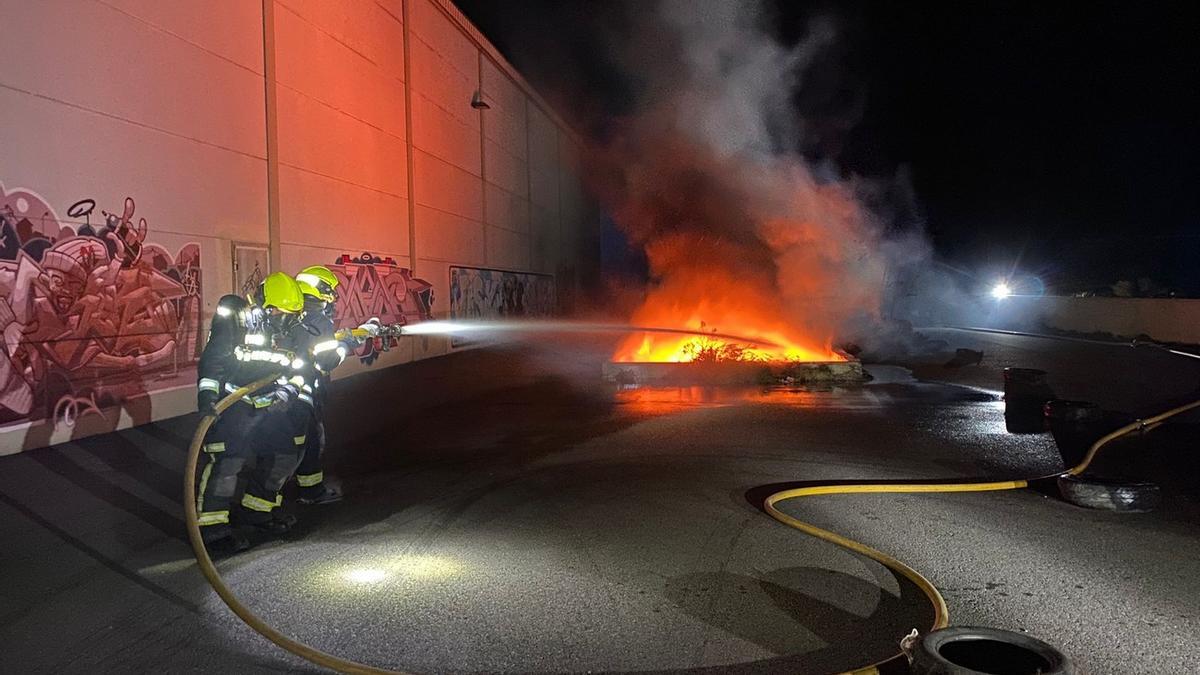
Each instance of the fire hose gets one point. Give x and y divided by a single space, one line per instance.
386 333
214 577
941 613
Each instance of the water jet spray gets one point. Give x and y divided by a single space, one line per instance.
481 329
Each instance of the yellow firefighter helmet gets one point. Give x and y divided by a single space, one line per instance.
307 289
322 279
282 292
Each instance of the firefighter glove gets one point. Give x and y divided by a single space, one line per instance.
206 402
285 393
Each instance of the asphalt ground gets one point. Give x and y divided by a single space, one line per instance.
1140 381
563 526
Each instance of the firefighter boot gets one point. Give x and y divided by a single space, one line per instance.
277 524
321 493
222 541
264 516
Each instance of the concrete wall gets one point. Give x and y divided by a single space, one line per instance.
149 147
1166 320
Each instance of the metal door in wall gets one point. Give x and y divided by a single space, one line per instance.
251 263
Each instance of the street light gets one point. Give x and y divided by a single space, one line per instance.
1001 291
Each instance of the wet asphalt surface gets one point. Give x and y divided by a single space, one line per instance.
574 530
571 527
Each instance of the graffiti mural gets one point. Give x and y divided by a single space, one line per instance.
489 294
477 293
374 287
371 286
93 314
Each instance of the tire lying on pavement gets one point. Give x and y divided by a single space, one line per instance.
1109 495
969 650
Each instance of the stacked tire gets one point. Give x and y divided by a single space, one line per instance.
1025 393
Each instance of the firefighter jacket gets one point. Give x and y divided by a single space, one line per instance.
316 337
243 347
308 339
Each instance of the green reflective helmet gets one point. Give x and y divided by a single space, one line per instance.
281 292
320 278
308 290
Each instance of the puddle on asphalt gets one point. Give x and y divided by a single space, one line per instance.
888 385
663 400
889 375
666 399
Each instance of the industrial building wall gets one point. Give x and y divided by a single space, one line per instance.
1162 319
157 155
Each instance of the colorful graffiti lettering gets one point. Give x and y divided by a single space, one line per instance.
488 294
371 286
477 293
374 287
91 316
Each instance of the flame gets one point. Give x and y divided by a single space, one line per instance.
740 243
705 286
745 314
658 348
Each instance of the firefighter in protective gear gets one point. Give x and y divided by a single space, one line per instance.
244 346
319 285
324 282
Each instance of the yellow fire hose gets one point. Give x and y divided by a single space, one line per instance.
214 577
941 614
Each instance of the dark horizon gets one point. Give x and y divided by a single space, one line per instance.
1043 140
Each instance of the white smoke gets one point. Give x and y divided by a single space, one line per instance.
735 85
707 177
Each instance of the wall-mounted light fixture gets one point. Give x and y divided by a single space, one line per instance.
477 101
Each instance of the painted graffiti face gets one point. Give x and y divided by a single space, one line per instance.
63 290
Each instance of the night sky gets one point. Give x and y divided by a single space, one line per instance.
1053 139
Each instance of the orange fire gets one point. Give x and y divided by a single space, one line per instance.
741 246
656 347
711 298
648 347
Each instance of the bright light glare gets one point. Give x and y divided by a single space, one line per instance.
1001 291
395 569
365 576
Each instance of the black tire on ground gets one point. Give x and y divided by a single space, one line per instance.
970 650
1109 495
1023 383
